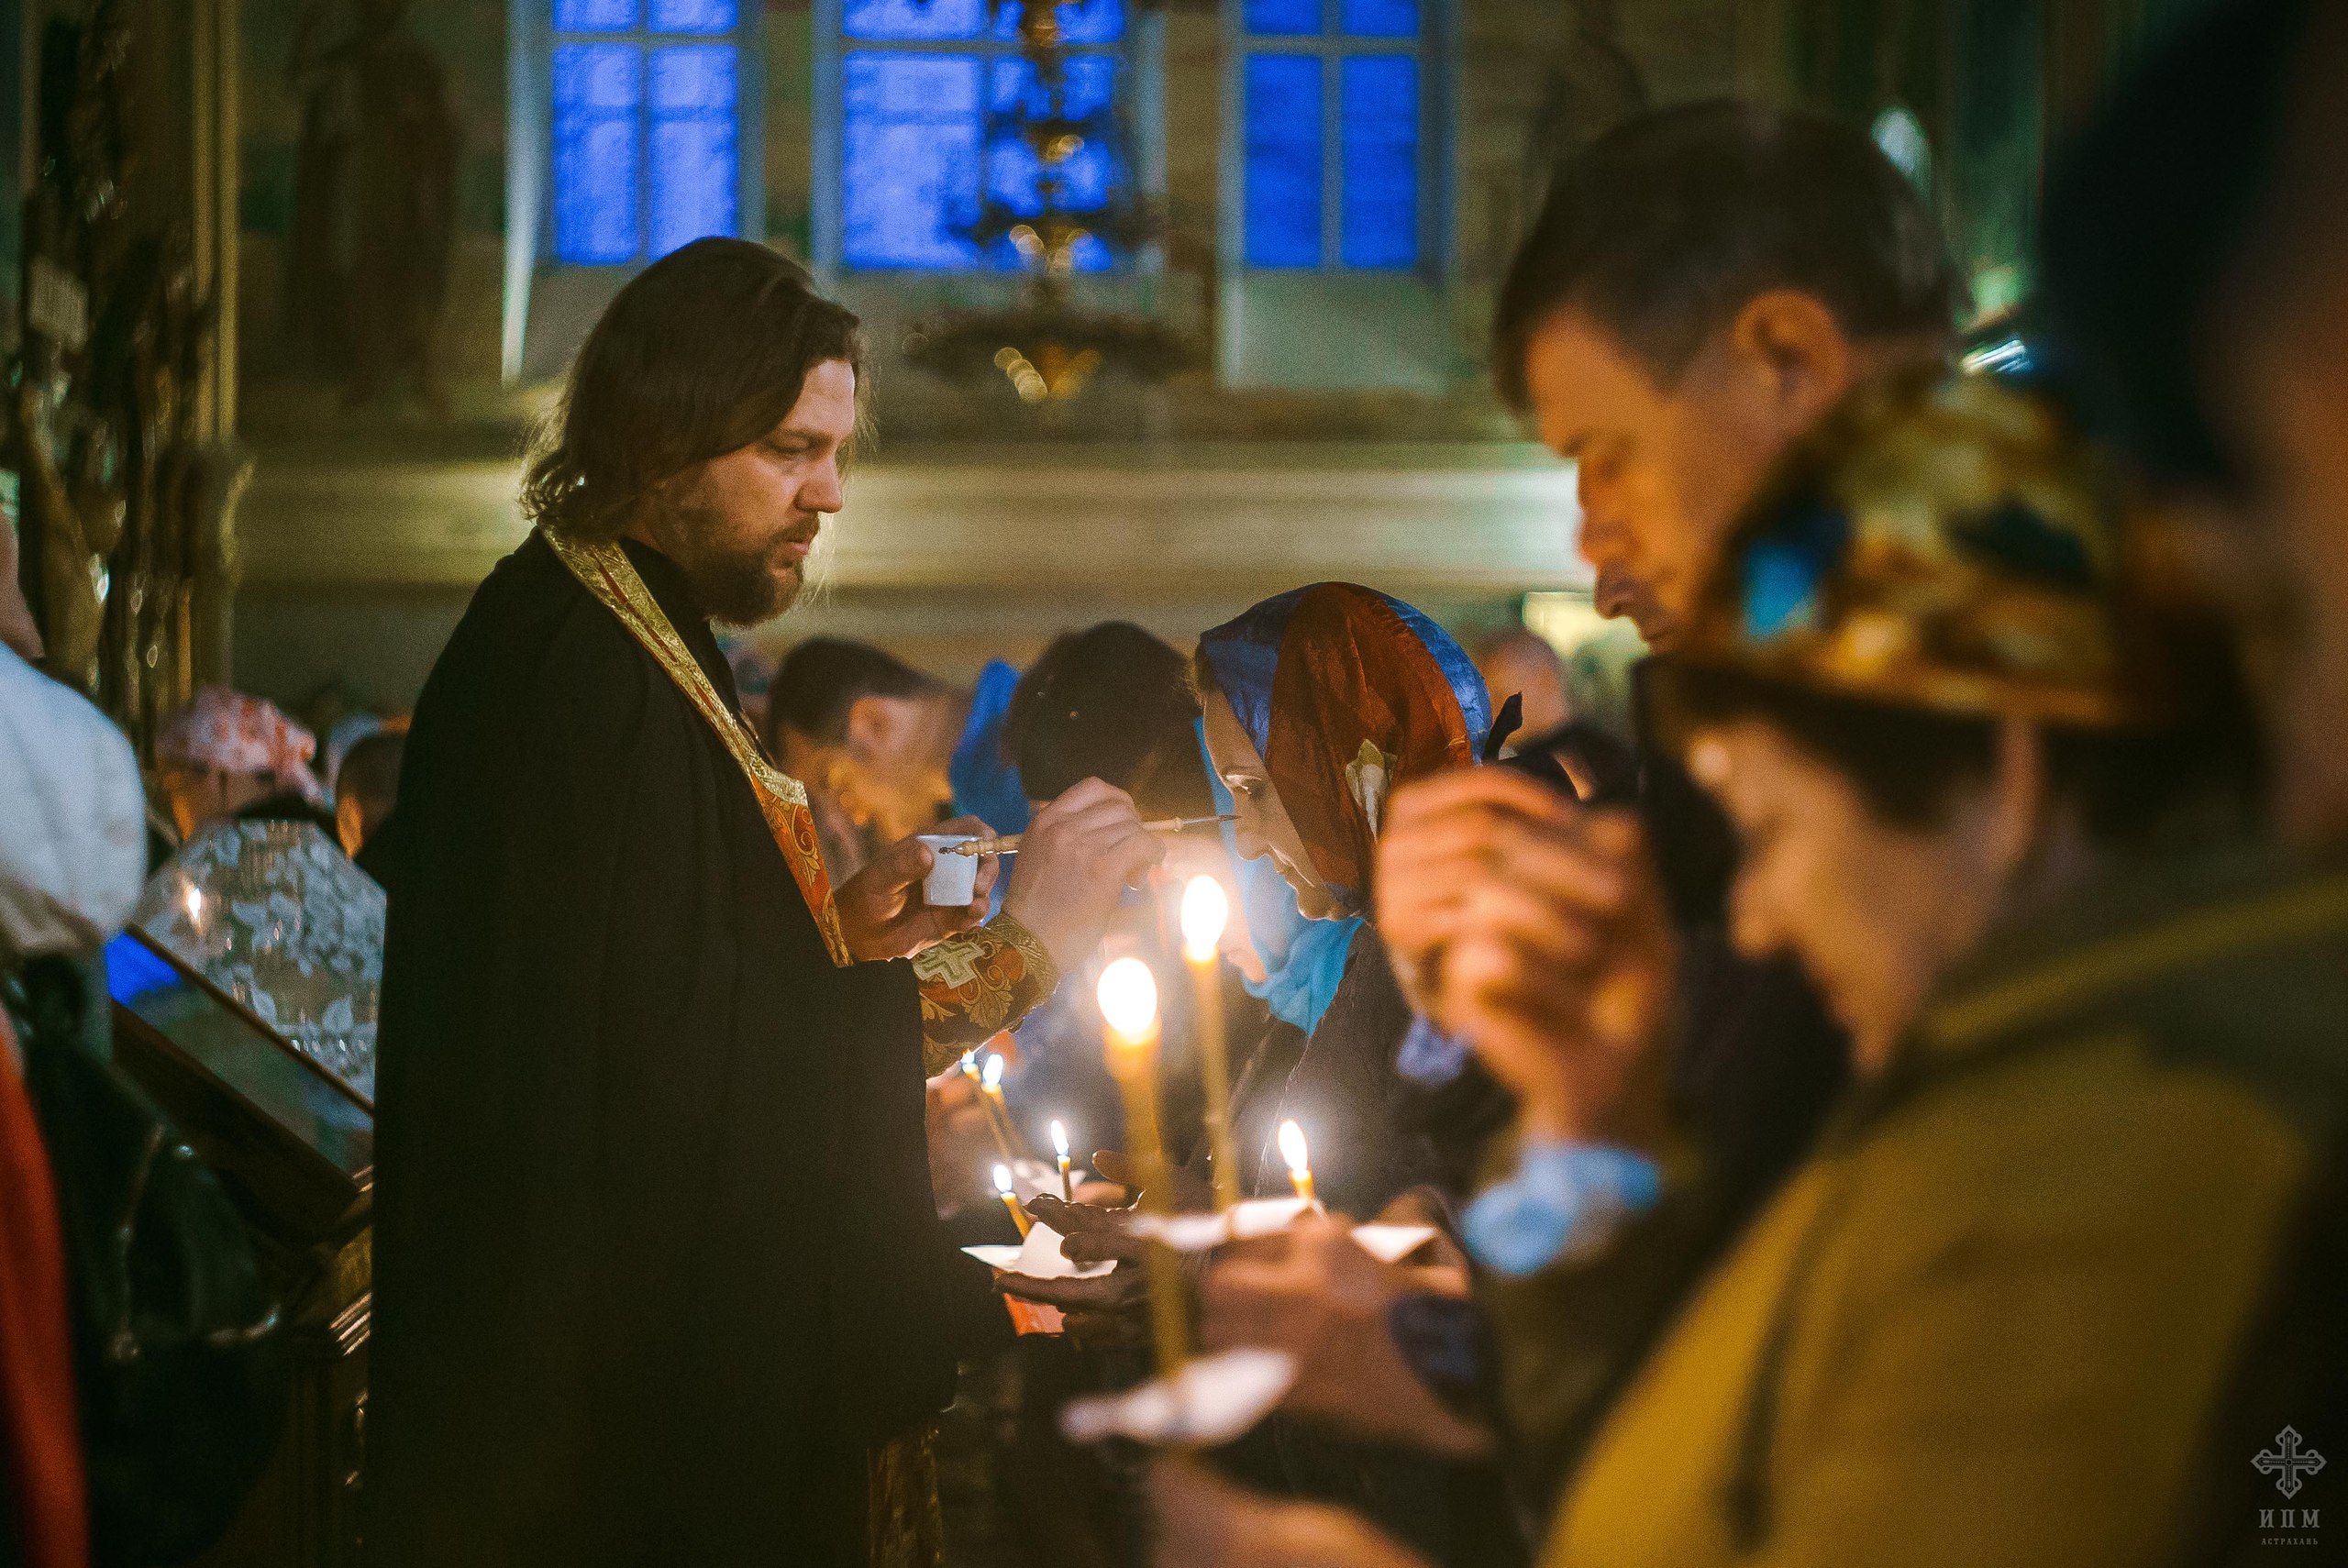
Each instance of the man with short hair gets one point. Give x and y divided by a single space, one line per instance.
1702 286
658 1275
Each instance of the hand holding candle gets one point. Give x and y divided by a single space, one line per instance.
1010 1198
1300 1164
1128 996
1059 1149
1205 910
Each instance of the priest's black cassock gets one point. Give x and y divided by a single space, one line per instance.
657 1271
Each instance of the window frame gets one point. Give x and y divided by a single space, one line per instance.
1140 54
1435 48
749 124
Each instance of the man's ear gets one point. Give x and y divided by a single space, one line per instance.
1790 342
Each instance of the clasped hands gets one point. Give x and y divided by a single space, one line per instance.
1077 856
1534 928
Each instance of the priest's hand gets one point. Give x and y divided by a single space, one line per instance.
1076 858
1314 1292
1534 928
1205 1521
882 912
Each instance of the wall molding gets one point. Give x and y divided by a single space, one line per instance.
1140 523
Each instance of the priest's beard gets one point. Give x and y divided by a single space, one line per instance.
738 574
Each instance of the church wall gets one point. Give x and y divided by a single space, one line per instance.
1327 362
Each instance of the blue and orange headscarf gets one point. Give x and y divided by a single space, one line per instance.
1347 694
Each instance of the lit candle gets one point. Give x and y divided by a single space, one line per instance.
1010 1198
1300 1164
986 1103
1129 1005
991 1085
1205 910
1060 1147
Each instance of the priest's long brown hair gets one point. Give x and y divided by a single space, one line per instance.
700 355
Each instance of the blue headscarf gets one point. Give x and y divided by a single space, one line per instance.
1346 693
1304 959
986 783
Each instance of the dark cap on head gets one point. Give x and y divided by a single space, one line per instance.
1110 702
1665 225
701 354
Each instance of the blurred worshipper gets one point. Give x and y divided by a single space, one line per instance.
260 898
1316 704
1989 777
72 854
1704 283
2196 281
1554 741
367 785
1519 662
888 750
342 732
226 755
754 674
658 1272
1110 702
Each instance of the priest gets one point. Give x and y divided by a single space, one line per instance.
657 1274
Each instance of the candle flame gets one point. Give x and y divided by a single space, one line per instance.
1293 1151
1205 910
1003 1180
195 903
970 1063
1129 998
992 1074
1060 1140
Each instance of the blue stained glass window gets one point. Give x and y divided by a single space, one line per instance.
1376 18
927 139
693 16
1378 108
594 16
1283 18
596 87
917 19
1283 172
646 127
910 158
693 156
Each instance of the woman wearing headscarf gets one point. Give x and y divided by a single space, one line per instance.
1314 706
1317 704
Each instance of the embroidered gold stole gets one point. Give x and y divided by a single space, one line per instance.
606 573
